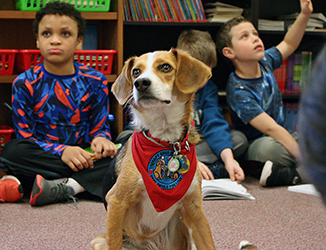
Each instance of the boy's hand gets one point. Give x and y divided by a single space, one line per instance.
306 7
77 158
205 172
235 171
102 148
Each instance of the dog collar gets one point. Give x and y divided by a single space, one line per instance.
167 168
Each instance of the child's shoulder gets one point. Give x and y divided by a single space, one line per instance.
89 71
30 75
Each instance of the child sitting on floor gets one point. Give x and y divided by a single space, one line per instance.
254 99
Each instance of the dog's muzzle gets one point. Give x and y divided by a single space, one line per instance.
142 84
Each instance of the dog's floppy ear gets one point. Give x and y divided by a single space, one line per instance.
122 87
191 73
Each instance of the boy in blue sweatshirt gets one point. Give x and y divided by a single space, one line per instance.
219 145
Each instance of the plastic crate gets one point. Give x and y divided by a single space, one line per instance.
5 135
28 58
81 5
100 60
7 61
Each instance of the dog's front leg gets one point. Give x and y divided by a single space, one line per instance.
120 200
194 218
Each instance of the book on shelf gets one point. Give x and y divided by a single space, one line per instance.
221 12
176 10
315 22
280 75
224 189
126 10
134 16
223 8
152 10
297 71
216 18
292 75
291 116
164 10
306 68
159 11
318 15
167 11
289 83
264 24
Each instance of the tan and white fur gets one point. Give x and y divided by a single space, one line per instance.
160 87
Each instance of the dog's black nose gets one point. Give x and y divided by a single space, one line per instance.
142 84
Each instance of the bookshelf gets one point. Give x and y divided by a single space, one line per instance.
17 27
141 37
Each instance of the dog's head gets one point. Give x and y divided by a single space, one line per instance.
160 87
159 78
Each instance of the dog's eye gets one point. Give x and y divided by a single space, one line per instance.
165 68
136 72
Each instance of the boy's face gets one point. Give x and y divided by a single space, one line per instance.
246 44
58 39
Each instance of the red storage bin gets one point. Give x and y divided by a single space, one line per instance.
101 60
5 135
28 58
7 61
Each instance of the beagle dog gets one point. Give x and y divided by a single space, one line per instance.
156 201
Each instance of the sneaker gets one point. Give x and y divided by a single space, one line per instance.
218 170
11 189
247 246
275 175
54 191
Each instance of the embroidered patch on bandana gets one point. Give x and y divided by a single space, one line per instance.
164 187
158 170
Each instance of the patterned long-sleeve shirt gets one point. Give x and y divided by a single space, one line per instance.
56 111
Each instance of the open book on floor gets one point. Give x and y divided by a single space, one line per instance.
224 189
305 189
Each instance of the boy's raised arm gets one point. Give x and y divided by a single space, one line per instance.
294 35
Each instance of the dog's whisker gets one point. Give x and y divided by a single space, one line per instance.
130 101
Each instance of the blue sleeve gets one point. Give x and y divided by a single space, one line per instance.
99 122
214 127
273 58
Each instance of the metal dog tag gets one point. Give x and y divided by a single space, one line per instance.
184 164
174 163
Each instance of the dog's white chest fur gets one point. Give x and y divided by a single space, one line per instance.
153 221
164 123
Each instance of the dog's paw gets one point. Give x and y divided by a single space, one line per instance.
99 243
246 245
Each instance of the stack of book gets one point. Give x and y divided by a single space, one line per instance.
315 22
264 24
221 12
293 73
164 10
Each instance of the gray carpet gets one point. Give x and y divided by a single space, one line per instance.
277 219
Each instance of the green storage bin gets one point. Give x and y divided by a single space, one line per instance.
81 5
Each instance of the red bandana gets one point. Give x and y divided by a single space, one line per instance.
164 187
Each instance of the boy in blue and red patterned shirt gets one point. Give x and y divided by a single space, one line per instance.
59 107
